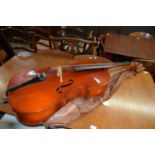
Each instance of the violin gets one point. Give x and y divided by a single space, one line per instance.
35 94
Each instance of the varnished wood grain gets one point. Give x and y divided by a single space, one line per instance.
130 46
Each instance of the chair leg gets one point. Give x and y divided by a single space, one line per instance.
1 114
7 46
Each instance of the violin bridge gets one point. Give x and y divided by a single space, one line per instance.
59 73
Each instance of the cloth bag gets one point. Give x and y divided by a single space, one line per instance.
75 108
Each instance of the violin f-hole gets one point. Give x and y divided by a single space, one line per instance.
59 88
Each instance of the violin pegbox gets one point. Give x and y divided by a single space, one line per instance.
136 66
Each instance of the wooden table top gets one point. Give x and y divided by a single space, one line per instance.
130 46
131 106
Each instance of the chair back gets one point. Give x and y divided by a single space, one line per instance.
76 45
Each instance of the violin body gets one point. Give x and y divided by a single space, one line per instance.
35 102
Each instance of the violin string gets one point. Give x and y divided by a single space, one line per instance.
106 65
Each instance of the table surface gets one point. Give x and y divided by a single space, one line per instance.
132 105
130 46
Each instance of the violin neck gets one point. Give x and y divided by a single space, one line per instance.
98 66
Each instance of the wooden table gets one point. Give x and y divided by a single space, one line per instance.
131 106
130 46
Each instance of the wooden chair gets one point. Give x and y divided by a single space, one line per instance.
76 45
19 38
3 56
71 39
41 35
77 40
5 47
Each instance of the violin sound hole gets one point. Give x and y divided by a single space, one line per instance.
59 89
